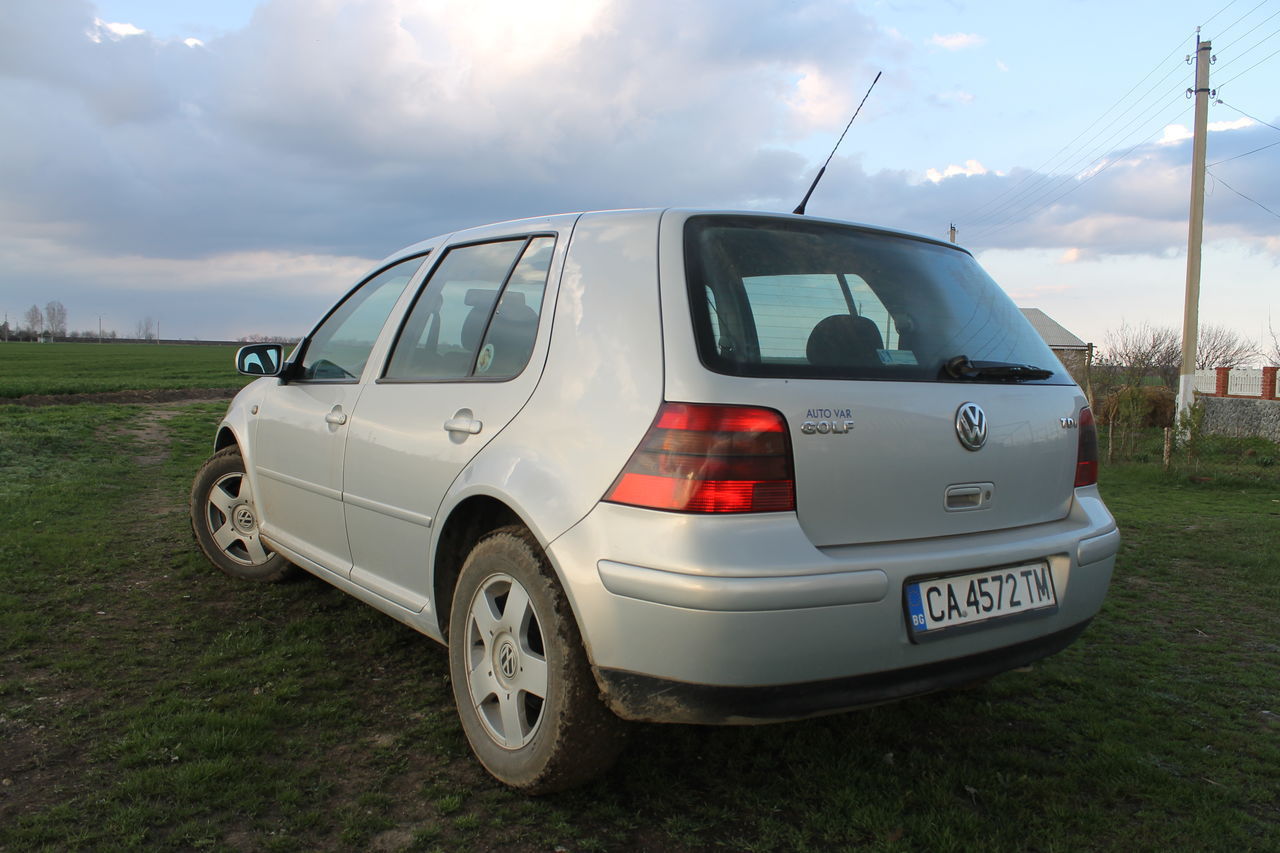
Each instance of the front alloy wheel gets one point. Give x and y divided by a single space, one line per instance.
224 519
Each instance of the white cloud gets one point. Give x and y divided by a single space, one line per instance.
193 42
970 167
115 31
957 41
1175 133
1238 124
1001 66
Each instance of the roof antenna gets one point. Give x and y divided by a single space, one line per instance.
800 208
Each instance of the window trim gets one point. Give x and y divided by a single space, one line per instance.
527 238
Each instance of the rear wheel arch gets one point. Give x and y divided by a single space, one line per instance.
467 524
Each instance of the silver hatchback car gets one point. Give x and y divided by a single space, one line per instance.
674 466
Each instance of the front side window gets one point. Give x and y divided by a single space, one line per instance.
803 299
340 345
477 317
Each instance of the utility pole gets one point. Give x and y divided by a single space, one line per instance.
953 232
1195 231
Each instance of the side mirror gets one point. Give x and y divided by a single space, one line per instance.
260 360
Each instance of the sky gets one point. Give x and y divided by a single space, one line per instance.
231 167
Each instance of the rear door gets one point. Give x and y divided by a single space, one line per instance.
465 361
847 332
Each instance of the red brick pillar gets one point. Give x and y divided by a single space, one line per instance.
1224 381
1269 383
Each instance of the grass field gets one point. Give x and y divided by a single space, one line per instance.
148 701
27 368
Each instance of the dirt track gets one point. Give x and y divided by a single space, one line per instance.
174 395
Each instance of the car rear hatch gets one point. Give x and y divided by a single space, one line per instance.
918 400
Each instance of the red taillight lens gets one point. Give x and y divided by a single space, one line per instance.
698 458
1087 454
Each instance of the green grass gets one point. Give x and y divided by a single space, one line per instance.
27 368
148 701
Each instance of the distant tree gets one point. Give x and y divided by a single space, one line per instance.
55 318
34 320
1272 349
268 339
146 329
1141 350
1218 346
4 331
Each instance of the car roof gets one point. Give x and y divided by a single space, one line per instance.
513 225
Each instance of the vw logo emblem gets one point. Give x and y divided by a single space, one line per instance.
507 660
971 426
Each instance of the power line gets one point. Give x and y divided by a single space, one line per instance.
1217 13
1245 197
1036 188
1056 182
1244 35
990 230
1242 54
1250 68
1246 115
1239 19
1245 154
1104 114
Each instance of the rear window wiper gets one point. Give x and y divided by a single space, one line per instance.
962 367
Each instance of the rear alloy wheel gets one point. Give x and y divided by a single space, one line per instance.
526 697
225 521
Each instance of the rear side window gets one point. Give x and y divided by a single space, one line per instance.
477 316
800 299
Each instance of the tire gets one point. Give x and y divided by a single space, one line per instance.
528 702
225 521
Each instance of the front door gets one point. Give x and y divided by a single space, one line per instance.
302 424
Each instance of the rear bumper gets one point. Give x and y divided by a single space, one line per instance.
671 604
644 698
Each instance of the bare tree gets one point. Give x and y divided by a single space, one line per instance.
1141 350
34 318
1218 346
1272 354
146 329
55 318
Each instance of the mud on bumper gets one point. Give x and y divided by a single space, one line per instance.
644 698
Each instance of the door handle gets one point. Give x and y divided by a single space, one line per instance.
462 421
337 417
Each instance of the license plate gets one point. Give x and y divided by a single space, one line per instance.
937 604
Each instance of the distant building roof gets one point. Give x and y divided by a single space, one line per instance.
1054 334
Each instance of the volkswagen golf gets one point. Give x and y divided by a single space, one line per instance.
672 466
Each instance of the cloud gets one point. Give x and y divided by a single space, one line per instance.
957 41
106 29
326 133
970 167
357 126
1001 66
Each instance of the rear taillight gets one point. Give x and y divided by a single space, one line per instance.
699 458
1087 454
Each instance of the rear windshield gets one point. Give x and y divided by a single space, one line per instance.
814 300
